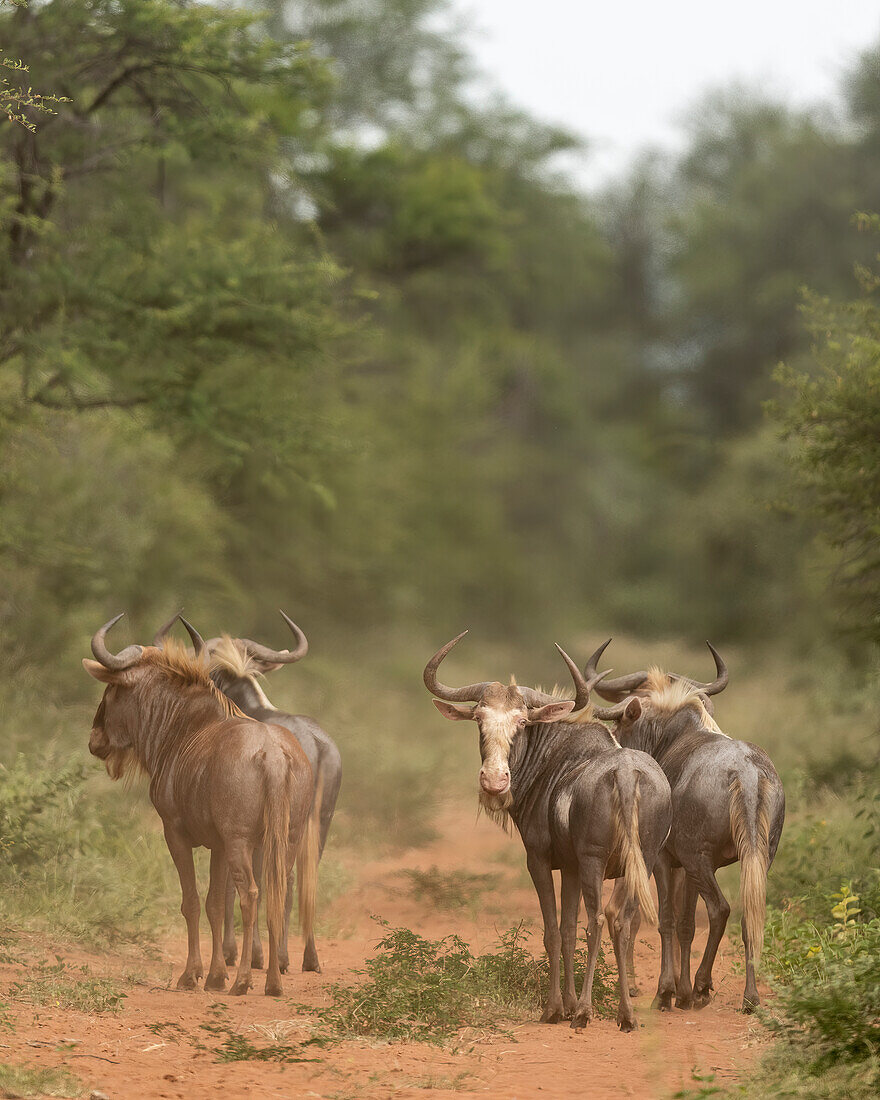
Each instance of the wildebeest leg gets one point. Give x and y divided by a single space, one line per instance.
257 950
241 868
679 879
230 949
719 910
571 900
685 926
542 877
215 903
634 927
751 999
182 854
283 955
329 782
666 984
619 913
592 876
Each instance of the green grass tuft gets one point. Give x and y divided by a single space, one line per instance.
27 1081
64 987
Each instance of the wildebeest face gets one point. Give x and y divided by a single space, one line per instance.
500 714
111 736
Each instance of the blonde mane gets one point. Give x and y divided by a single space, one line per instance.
230 656
668 696
175 660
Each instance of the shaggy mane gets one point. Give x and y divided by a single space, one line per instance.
668 696
229 656
190 671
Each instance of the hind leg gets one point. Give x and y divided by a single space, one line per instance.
542 877
257 949
685 926
751 999
571 900
215 903
241 868
592 875
719 911
634 990
666 984
230 948
620 913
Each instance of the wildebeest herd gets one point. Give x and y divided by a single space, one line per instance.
648 785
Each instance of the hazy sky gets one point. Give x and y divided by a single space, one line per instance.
623 72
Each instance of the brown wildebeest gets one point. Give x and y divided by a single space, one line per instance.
582 804
218 780
235 665
728 805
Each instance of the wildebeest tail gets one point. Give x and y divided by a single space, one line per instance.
307 863
750 827
628 844
276 834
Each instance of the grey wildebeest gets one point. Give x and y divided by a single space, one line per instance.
728 805
218 780
582 804
234 665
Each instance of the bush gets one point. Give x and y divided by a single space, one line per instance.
428 990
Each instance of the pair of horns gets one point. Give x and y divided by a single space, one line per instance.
584 682
255 649
617 689
472 693
118 662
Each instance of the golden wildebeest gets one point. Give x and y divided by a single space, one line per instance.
582 804
728 805
218 780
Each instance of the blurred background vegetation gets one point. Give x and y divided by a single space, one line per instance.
288 317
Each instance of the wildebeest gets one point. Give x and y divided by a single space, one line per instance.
581 803
728 805
218 780
235 664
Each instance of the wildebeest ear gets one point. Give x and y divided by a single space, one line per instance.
454 712
96 669
633 709
551 712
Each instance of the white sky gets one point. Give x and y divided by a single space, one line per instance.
622 73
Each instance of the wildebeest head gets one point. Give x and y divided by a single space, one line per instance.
235 663
501 712
116 719
636 683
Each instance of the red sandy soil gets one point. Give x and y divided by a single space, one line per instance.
120 1055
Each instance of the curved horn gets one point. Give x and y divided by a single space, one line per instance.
613 690
119 661
582 685
280 656
162 633
469 694
722 675
197 640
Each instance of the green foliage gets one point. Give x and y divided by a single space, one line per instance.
63 986
428 990
28 1081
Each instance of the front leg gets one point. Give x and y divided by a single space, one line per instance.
182 853
542 877
571 900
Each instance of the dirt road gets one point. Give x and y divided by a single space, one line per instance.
158 1045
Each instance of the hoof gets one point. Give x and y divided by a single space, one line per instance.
581 1018
701 998
230 957
627 1023
662 1002
749 1005
274 989
216 982
569 1010
684 1002
239 989
551 1016
187 981
310 966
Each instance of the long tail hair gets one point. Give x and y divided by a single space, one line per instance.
626 826
750 827
276 834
